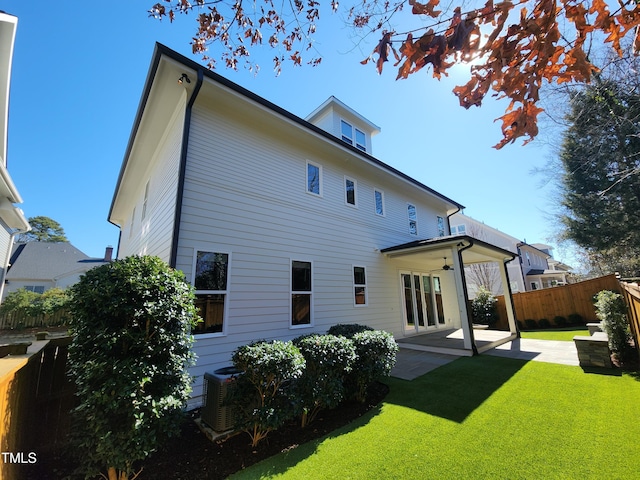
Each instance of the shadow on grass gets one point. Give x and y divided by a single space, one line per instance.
279 464
455 390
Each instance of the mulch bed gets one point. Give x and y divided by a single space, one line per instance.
193 456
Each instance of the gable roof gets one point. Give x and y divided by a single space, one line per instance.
166 55
47 260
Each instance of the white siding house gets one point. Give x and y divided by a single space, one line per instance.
285 226
12 220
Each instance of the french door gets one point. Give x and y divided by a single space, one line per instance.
422 303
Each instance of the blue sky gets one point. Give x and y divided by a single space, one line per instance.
78 73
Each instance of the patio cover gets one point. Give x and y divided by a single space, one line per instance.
462 250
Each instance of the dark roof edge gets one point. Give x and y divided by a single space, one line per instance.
161 49
448 239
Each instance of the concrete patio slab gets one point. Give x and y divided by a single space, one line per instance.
411 364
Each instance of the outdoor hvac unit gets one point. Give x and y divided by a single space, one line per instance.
218 417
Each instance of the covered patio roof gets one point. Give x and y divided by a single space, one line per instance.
472 249
452 253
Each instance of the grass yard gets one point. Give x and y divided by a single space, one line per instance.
563 334
482 417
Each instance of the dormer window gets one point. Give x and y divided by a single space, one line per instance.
347 130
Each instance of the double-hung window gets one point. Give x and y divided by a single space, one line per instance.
359 286
211 279
413 219
301 294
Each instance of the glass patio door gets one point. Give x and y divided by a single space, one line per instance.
418 301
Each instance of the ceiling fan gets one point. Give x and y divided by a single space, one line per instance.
446 266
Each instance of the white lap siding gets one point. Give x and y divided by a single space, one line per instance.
245 195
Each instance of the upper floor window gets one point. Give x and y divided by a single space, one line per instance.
459 229
413 219
210 280
145 200
441 230
314 179
353 136
350 186
379 199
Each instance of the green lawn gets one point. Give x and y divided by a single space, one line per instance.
565 334
482 417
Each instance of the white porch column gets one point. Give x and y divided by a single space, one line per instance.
506 288
461 289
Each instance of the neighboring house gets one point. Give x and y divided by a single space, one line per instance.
40 266
285 226
547 274
534 269
12 220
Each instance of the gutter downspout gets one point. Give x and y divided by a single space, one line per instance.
3 278
182 169
451 215
474 348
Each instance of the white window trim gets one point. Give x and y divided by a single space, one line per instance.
352 139
359 146
225 313
442 232
365 285
306 179
145 200
355 191
409 219
291 292
375 207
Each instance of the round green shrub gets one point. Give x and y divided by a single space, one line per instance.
560 321
348 329
544 323
131 322
575 319
328 359
261 394
375 357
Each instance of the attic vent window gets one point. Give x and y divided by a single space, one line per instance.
347 131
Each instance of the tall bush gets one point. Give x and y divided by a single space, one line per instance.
328 359
375 357
611 310
131 322
484 307
260 394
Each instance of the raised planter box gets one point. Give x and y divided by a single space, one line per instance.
593 351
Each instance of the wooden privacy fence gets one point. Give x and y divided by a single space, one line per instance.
558 301
18 320
36 397
631 292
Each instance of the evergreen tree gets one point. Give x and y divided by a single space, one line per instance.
600 155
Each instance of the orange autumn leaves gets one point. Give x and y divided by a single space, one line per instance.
511 61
